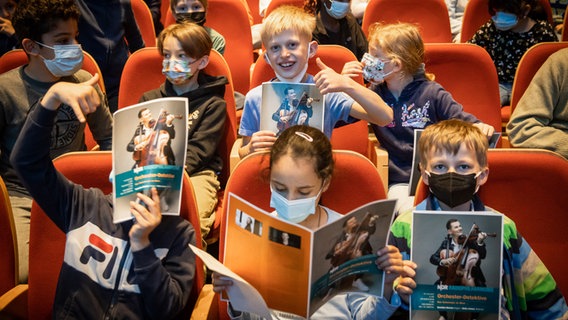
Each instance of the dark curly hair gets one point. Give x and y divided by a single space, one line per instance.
518 7
34 18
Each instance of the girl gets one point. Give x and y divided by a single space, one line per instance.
336 25
395 68
515 26
185 48
301 166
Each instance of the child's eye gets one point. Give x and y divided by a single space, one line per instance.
439 167
181 9
197 8
167 55
274 48
464 167
292 45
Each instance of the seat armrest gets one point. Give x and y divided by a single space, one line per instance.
206 305
234 158
14 303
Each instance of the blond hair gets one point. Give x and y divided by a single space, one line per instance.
400 41
287 18
449 136
194 39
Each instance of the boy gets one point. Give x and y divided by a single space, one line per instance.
286 35
196 11
453 162
185 48
147 273
48 31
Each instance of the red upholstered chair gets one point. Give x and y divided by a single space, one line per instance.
144 21
430 15
8 243
17 57
528 186
468 73
477 13
47 242
253 6
230 19
529 64
250 181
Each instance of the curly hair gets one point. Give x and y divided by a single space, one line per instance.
34 18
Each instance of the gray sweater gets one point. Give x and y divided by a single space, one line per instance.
18 93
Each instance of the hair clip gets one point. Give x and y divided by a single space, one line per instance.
305 136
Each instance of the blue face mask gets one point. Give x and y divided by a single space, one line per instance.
504 20
338 9
294 211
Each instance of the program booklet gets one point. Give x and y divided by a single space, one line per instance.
149 143
459 257
296 270
286 104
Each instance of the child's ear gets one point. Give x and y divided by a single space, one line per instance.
203 63
30 46
325 185
424 175
482 178
312 48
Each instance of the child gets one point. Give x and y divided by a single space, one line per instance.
396 72
8 39
286 35
453 162
540 119
185 48
47 30
196 11
515 26
155 273
301 167
336 25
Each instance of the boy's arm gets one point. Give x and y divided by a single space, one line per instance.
100 123
165 282
30 157
204 142
368 105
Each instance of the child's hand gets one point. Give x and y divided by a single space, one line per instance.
405 283
259 141
82 97
352 69
486 129
327 80
6 27
220 282
146 221
389 259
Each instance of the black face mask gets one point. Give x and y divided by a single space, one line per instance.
197 17
451 188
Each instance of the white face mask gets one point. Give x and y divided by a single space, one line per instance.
68 59
504 20
373 69
294 211
296 79
338 9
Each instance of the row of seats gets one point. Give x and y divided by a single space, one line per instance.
431 15
510 189
465 70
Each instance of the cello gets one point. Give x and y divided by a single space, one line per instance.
157 141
